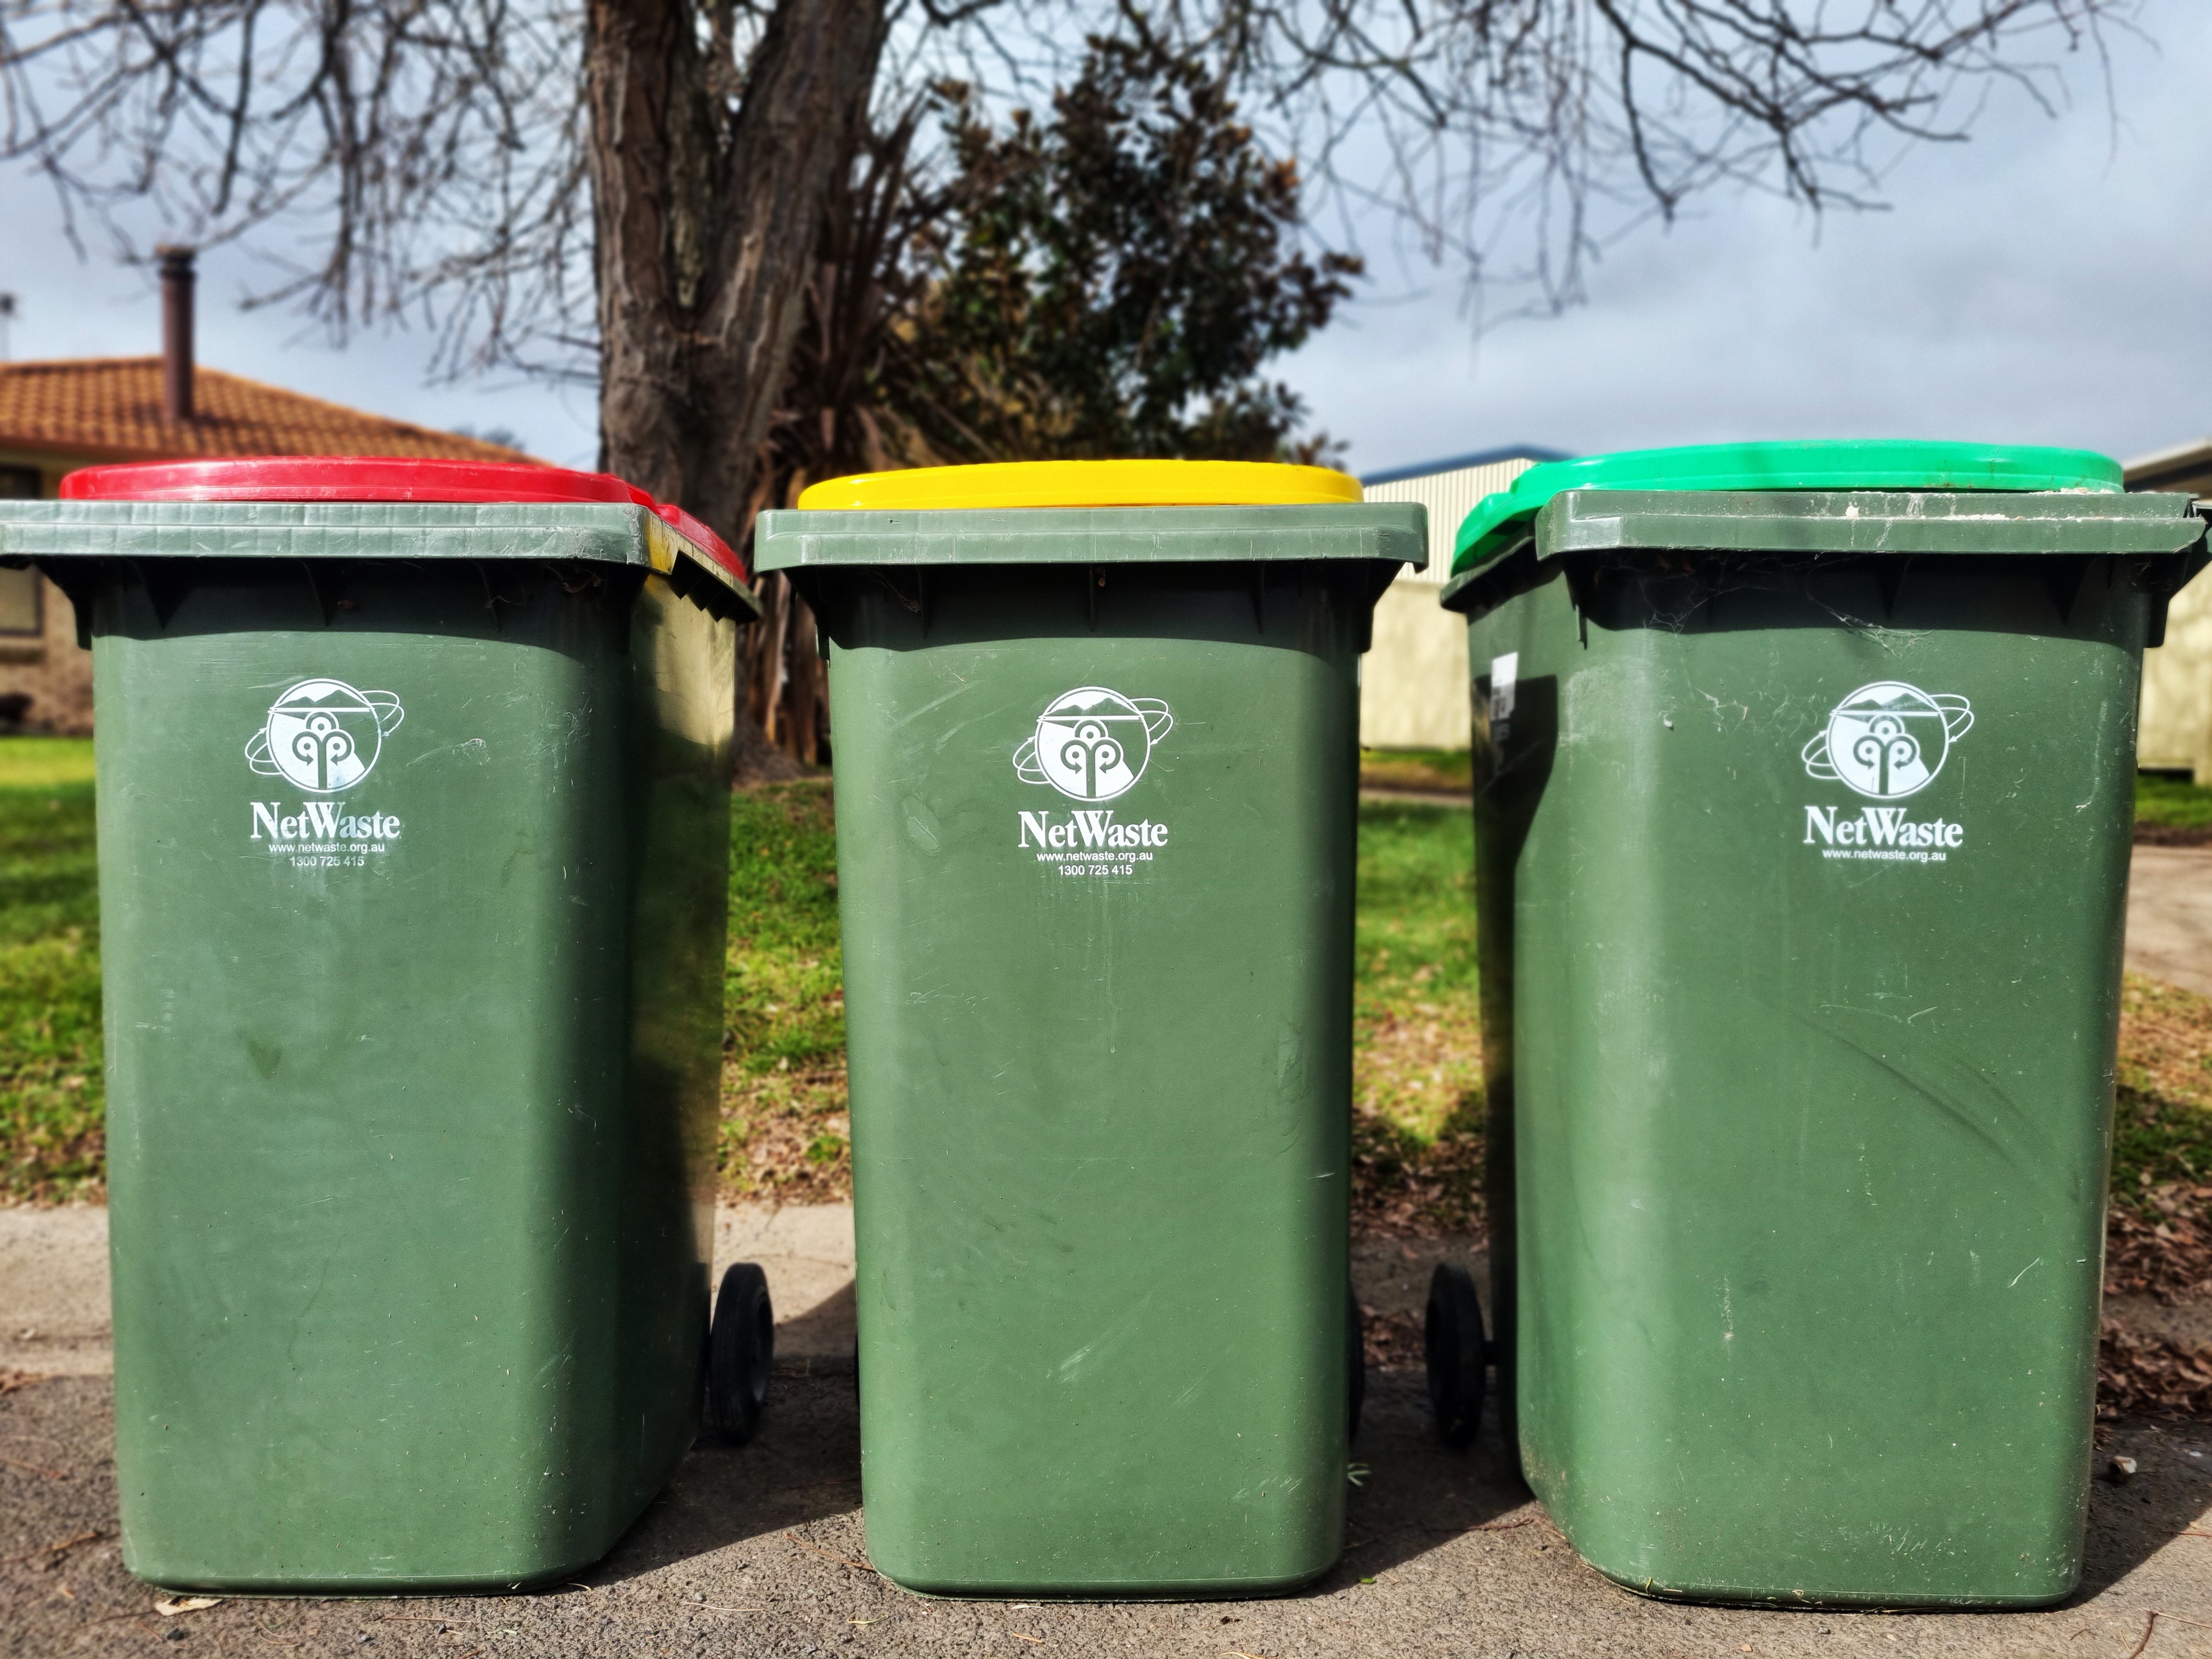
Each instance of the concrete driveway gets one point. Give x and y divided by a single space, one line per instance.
2170 915
760 1551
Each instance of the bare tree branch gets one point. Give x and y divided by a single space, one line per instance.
431 159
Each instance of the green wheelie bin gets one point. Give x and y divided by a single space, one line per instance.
413 795
1097 729
1803 793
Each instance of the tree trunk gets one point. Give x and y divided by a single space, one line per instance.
706 225
806 684
768 652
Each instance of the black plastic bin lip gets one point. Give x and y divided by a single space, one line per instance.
1621 525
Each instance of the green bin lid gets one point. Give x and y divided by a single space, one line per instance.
1499 520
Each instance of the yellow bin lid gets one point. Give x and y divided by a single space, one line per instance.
1083 484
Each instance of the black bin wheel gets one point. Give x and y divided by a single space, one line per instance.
1451 1338
740 1354
1355 1392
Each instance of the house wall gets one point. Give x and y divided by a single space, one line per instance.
1413 691
40 656
2174 727
1413 685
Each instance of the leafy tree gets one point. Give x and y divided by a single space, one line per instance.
1114 278
1106 282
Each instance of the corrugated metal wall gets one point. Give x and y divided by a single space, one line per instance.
1449 498
1413 691
2174 725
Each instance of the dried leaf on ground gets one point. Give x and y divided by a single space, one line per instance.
1406 1186
2162 1121
2150 1377
2164 1248
786 1137
1392 1342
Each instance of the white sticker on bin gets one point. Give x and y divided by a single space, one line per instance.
1887 742
1092 745
1505 674
323 737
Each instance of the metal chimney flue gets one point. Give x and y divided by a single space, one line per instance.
176 331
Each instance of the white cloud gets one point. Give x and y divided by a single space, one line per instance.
2045 283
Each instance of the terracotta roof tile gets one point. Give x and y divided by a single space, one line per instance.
110 408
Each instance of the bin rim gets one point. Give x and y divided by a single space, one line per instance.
1083 484
1380 533
384 479
1500 520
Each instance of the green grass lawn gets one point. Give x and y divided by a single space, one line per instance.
1444 771
2170 803
1417 1084
2162 1121
784 1126
1417 1037
50 1102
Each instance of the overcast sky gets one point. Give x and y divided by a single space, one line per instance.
2049 282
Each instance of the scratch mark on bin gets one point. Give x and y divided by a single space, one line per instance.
912 715
1953 1107
1069 1369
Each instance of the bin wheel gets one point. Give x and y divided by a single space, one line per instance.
1355 1360
740 1354
1451 1340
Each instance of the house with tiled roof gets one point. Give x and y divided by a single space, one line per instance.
58 416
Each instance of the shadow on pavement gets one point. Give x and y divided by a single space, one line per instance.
803 1466
1412 1490
2129 1523
1416 1492
760 1550
820 1341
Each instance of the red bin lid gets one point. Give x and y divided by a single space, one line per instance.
343 478
701 537
378 478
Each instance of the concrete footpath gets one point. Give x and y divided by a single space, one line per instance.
2170 915
762 1551
54 1284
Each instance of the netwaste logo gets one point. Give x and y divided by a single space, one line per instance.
1889 739
1092 743
323 735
